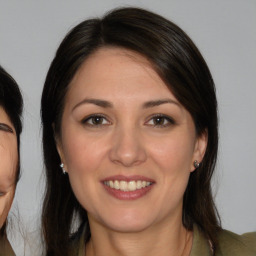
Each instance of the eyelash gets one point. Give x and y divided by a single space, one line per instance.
168 121
86 120
6 128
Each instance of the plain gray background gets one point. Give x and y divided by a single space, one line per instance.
225 33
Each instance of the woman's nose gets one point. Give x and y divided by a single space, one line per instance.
127 148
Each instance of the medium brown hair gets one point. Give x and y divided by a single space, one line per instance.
179 63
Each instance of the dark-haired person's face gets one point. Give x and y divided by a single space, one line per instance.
127 143
8 164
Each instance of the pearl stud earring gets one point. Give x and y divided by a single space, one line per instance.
196 164
63 169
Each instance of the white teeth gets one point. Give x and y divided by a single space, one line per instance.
116 184
132 185
139 184
123 185
127 186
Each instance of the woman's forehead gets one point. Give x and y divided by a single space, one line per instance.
117 70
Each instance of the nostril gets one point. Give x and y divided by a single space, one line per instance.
127 156
127 148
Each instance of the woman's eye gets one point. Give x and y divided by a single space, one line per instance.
95 120
160 121
2 194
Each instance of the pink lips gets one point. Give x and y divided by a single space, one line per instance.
128 195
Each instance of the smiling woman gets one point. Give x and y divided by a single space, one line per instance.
129 141
10 129
129 113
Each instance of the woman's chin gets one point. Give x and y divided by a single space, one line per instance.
125 227
125 223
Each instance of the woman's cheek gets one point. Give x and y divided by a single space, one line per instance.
5 205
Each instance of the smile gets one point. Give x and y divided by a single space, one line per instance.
127 185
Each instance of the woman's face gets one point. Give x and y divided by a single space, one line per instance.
8 164
126 142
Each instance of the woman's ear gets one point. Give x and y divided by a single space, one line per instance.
199 150
58 144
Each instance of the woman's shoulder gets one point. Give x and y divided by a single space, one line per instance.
236 245
230 244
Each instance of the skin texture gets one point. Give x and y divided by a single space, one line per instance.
8 165
128 141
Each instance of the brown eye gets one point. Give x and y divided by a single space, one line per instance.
95 120
160 121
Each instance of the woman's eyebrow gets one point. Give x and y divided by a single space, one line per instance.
6 128
155 103
107 104
98 102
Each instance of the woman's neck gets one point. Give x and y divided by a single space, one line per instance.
161 240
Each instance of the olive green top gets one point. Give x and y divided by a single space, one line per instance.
5 248
230 244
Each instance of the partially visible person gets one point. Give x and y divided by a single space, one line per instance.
11 105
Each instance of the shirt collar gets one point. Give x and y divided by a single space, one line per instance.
200 244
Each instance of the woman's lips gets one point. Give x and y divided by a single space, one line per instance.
128 188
